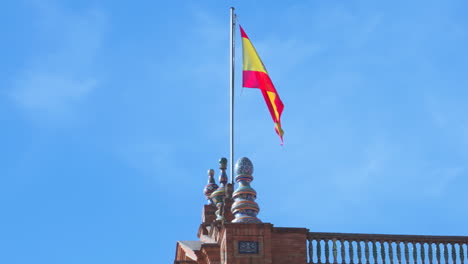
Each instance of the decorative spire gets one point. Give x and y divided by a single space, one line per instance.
222 166
244 208
218 196
211 186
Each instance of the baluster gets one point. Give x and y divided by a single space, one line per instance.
327 252
423 253
335 252
398 252
462 254
359 252
382 251
319 251
390 251
454 254
406 253
437 253
366 251
446 253
415 253
351 252
343 254
374 251
430 255
311 252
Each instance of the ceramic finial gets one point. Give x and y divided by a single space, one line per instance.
244 208
219 194
222 167
211 186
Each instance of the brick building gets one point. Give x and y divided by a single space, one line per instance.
231 233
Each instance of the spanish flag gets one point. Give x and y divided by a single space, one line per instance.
255 75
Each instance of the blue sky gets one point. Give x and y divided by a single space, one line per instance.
112 112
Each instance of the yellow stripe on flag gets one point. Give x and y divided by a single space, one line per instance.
251 60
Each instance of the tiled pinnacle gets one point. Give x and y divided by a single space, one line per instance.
211 186
244 208
219 194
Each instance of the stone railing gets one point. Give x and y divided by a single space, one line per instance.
343 248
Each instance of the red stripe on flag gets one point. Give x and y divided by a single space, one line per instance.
256 79
261 80
243 33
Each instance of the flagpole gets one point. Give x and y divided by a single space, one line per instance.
231 78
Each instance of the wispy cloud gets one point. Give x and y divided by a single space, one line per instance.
60 74
149 157
441 180
50 92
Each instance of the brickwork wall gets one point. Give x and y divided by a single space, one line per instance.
208 213
258 233
211 253
275 245
289 245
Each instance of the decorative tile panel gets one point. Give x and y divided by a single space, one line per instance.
248 247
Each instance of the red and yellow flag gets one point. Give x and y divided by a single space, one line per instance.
256 76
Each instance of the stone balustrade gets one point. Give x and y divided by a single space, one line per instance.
347 248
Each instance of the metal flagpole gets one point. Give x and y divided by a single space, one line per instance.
231 77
